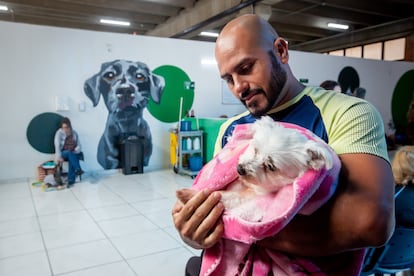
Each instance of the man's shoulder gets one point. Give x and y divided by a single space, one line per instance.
331 103
321 96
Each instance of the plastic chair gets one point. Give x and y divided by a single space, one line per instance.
397 255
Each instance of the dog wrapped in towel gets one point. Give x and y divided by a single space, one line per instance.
267 173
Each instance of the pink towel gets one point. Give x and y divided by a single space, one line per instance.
237 253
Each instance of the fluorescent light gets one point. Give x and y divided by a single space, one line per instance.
338 26
210 34
115 22
3 8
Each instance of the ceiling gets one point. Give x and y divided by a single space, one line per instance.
301 22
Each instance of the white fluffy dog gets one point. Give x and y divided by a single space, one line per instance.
277 155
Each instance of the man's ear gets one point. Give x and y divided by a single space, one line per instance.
281 48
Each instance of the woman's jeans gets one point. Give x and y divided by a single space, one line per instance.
73 159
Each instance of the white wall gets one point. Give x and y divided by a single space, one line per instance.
39 63
379 78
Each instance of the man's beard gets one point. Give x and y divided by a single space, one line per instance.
277 82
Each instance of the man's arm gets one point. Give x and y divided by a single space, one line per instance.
360 214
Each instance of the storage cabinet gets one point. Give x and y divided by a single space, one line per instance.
189 152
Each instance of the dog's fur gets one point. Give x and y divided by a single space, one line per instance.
126 88
275 157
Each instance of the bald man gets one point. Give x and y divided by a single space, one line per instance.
253 60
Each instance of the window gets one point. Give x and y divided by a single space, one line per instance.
337 53
387 50
354 52
394 49
373 51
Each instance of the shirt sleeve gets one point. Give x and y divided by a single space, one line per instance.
360 129
58 152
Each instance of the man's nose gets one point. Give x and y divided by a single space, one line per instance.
240 85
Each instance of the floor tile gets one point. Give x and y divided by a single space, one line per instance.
56 201
35 264
81 256
170 263
133 194
93 196
14 190
16 208
20 244
19 226
109 224
144 243
155 205
113 269
112 212
65 219
72 234
162 218
125 226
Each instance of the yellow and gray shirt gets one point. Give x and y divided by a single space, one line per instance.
348 124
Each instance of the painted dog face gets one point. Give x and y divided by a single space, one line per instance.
124 84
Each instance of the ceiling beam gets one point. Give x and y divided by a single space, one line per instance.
203 13
395 29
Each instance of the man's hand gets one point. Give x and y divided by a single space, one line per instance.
197 217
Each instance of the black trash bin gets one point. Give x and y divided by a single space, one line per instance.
132 155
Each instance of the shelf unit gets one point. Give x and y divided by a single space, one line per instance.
183 153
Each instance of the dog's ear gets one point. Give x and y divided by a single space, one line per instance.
91 85
157 86
91 89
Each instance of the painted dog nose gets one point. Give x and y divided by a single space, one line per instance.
125 92
241 170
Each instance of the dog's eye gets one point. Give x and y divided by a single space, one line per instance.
109 75
140 77
269 165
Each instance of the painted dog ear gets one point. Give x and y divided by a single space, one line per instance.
91 85
157 86
91 89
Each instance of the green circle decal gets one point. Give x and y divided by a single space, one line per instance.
401 99
178 88
41 131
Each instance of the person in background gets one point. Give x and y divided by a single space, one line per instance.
359 92
403 171
253 60
68 148
331 85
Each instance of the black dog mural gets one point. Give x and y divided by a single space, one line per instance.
126 88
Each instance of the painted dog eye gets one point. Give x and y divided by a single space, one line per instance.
140 77
109 75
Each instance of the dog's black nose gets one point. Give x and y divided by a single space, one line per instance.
241 170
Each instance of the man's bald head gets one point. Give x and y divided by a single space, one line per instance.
248 27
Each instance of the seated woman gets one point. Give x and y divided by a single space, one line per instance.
403 171
68 148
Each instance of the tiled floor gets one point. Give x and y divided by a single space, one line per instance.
107 225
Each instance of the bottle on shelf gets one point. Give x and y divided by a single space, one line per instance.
189 143
196 143
184 144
